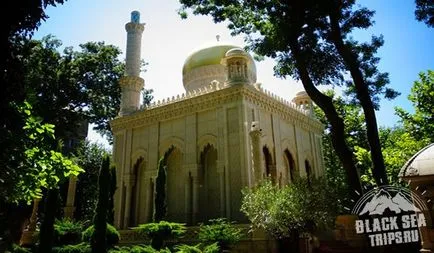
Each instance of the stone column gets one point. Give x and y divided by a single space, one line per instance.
70 200
188 201
148 206
221 173
195 204
129 181
255 137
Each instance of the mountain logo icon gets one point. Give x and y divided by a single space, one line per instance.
394 199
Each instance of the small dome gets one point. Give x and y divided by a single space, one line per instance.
236 52
421 164
204 65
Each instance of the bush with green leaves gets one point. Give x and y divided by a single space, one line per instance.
138 249
77 248
112 235
221 231
161 231
302 206
18 249
198 248
67 231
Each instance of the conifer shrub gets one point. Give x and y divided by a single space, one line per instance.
77 248
198 248
160 232
98 238
112 235
67 231
220 231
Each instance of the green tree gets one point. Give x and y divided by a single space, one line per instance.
425 12
311 41
99 242
89 157
286 212
39 168
398 147
68 87
160 194
355 133
420 123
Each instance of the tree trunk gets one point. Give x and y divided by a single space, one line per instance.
337 125
362 93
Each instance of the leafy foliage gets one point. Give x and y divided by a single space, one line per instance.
68 87
18 249
161 231
73 248
220 231
138 249
112 235
419 124
67 231
198 248
425 12
297 207
40 167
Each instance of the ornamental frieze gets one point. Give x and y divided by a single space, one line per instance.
215 99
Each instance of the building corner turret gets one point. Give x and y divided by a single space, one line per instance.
131 83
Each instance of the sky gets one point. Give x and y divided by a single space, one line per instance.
168 40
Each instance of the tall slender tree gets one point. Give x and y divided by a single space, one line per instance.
160 195
99 241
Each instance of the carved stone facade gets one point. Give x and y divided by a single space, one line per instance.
227 133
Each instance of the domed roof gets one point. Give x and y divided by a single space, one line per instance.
206 56
204 65
421 164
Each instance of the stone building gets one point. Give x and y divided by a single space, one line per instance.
226 132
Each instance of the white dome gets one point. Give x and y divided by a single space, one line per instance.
421 164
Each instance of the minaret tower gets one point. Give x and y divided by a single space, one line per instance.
132 84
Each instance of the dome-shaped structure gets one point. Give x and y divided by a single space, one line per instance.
421 164
204 65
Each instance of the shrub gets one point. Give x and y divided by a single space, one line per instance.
138 249
67 232
159 232
221 231
112 235
78 248
18 249
199 248
301 206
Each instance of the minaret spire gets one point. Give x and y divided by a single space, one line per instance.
131 84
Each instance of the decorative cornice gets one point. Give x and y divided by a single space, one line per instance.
134 27
132 82
211 98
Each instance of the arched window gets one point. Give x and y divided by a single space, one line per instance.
290 165
135 192
270 170
209 181
175 186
